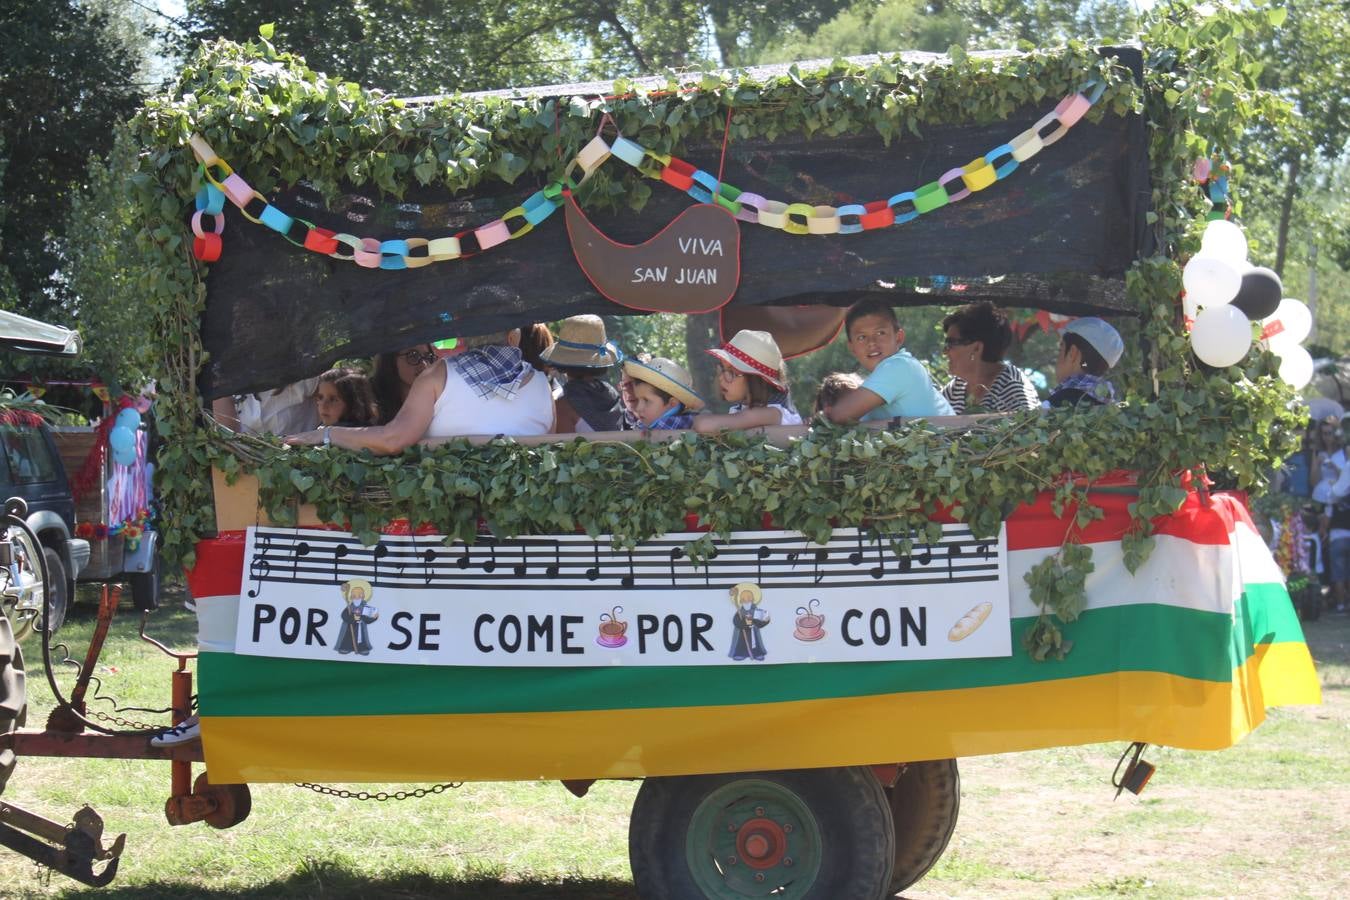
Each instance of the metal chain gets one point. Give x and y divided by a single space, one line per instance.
380 796
123 723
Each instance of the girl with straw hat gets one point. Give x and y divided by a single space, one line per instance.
583 355
663 394
751 377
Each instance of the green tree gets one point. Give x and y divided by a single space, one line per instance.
64 82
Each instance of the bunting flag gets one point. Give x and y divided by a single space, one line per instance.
1188 652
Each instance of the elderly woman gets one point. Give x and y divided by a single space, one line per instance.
978 335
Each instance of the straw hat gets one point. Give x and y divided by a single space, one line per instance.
754 353
665 375
582 344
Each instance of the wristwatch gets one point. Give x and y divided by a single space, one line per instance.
328 435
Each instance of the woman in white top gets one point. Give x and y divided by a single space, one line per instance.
978 335
752 378
487 389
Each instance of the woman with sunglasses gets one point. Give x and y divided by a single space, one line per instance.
978 335
394 375
1328 458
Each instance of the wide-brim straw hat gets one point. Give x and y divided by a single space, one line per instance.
582 344
665 375
754 353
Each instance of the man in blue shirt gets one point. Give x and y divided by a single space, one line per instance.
897 384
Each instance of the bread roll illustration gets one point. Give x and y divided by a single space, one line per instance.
969 622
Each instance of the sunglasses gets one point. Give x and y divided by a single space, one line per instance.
951 342
415 358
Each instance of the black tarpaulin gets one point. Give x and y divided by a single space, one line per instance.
1057 234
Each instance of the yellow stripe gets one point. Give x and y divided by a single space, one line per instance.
1147 706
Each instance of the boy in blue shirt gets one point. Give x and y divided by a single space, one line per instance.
897 384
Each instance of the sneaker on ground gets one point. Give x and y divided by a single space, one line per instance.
189 730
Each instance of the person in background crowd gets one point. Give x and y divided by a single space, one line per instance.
584 356
833 386
343 397
978 335
664 399
394 374
1328 458
487 389
534 341
1088 348
752 377
1295 476
629 396
897 384
1338 538
280 411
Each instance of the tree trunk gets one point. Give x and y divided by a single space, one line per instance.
701 334
1286 212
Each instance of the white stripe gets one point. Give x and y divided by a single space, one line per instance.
217 619
1178 573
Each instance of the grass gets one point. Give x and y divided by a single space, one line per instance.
1270 816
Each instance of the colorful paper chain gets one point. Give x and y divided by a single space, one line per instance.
793 218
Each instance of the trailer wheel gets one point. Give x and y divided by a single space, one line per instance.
58 591
13 693
924 802
810 834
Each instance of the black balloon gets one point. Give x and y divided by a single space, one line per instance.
1260 293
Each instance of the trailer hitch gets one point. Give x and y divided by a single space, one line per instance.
73 848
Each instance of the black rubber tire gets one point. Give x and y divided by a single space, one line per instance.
145 588
58 591
13 693
925 803
849 806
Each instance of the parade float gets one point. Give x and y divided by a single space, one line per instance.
788 635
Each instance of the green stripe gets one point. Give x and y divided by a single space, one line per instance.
1142 637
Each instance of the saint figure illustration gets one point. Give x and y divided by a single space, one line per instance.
356 617
746 640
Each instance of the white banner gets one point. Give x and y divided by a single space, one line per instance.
765 597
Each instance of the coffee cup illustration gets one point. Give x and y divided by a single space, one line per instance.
613 630
810 622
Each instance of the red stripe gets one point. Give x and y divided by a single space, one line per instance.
220 566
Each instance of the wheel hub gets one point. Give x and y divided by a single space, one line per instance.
761 843
754 838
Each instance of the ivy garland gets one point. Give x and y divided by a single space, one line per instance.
279 122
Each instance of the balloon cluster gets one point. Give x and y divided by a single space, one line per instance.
1225 293
122 438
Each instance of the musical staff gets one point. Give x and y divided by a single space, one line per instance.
577 562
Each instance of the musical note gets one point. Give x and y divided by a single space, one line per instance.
259 568
761 554
675 553
953 553
594 571
380 551
820 556
428 559
339 551
879 569
301 549
491 564
463 561
631 578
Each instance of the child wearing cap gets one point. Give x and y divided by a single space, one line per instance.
1088 348
663 398
752 378
583 355
897 384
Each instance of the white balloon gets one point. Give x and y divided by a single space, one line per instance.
1295 319
1221 336
1210 280
1224 240
1296 366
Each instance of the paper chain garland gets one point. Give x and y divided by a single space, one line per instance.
793 218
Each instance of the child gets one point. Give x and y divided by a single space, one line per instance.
834 386
662 394
751 377
1088 349
897 384
344 397
584 356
